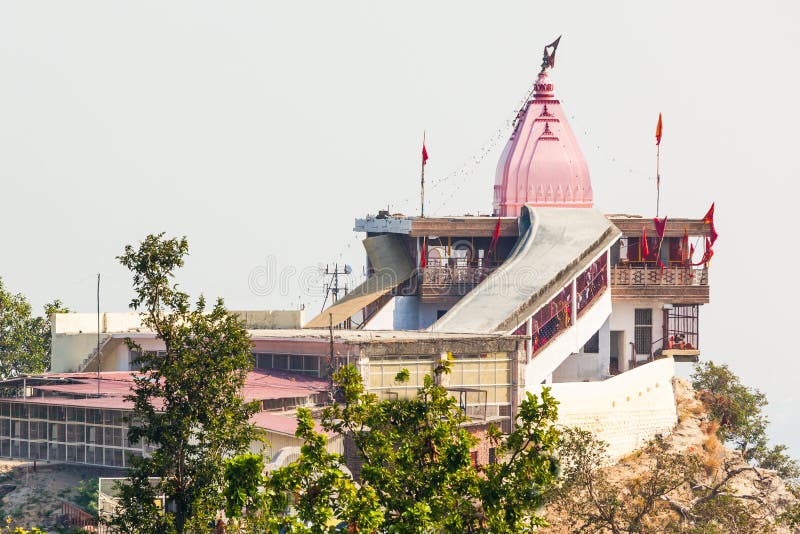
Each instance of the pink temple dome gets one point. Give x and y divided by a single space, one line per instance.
542 164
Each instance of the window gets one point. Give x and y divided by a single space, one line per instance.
473 458
296 363
593 345
643 330
280 361
492 455
133 360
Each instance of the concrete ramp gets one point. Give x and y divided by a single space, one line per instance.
392 266
555 245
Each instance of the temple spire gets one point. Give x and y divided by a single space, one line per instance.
542 164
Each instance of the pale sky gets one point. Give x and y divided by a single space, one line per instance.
260 130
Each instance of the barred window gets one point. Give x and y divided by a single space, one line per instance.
643 330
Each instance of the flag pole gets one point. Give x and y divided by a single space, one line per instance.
658 177
659 128
422 180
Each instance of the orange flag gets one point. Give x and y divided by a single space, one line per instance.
658 130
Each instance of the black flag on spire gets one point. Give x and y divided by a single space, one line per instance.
550 57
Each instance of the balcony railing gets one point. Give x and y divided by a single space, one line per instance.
591 283
445 275
551 319
655 276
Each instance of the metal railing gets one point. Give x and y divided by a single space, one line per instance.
552 319
646 275
591 283
445 275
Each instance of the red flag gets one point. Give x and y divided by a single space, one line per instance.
658 130
495 237
496 233
708 218
424 153
643 247
423 257
661 225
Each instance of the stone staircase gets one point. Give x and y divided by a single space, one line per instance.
90 362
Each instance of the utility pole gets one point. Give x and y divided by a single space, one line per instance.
332 288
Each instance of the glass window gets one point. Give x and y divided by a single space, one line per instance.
296 363
93 416
94 455
37 411
264 361
38 451
311 363
38 430
75 433
5 409
58 432
280 361
113 436
19 410
94 435
57 413
19 448
76 414
19 429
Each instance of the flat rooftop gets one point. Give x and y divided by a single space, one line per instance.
483 226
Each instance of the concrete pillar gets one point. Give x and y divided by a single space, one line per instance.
529 340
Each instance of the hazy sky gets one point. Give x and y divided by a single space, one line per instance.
260 130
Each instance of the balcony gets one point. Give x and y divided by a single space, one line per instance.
674 284
451 281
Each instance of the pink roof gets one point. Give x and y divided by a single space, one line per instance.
108 403
114 386
283 424
542 164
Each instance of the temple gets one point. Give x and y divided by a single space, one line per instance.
546 291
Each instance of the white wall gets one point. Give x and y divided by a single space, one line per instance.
69 350
625 411
76 323
427 313
622 318
405 313
117 357
400 313
583 366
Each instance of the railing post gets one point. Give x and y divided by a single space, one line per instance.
574 307
529 340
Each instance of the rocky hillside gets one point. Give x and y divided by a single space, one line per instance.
738 497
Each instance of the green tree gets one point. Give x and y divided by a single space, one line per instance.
417 474
186 400
739 411
25 340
